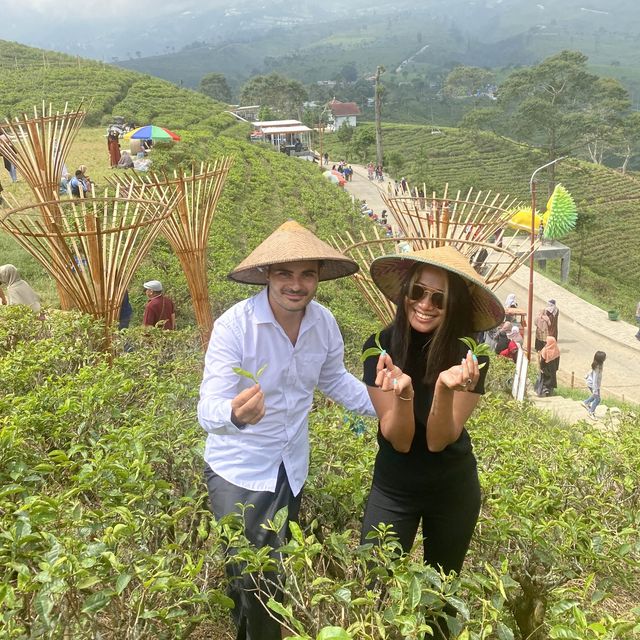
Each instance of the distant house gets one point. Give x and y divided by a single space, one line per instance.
342 113
289 136
245 114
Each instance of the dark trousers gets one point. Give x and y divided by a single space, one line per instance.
252 619
448 515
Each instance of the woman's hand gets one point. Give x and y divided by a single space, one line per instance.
389 377
463 376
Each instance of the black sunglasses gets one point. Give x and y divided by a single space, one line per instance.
417 292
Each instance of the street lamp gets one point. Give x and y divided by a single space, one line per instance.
321 129
532 189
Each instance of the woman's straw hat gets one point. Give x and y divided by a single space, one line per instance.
291 242
390 273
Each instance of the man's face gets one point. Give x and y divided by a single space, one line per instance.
292 285
149 293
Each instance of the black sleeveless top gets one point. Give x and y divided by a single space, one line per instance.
419 469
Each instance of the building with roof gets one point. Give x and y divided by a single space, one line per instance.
289 136
341 113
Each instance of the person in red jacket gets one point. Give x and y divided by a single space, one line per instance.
160 310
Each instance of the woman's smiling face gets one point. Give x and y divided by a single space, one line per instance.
423 315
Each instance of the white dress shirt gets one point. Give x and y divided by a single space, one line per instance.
248 336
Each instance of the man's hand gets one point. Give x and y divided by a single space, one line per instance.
248 406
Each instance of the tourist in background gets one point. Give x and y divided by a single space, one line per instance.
594 383
553 312
16 290
159 310
113 146
638 320
549 363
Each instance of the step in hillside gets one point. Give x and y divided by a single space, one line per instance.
572 411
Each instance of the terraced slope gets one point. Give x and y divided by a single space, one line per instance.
29 76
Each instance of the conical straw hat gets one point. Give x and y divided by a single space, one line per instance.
390 273
291 242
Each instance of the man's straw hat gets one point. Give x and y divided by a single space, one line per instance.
390 273
291 242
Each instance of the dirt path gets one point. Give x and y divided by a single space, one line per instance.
583 327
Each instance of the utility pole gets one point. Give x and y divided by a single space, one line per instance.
378 105
532 189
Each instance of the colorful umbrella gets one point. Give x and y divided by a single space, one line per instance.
151 132
335 176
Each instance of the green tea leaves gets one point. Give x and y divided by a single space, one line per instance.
248 374
373 351
478 349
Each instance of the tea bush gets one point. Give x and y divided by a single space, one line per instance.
105 531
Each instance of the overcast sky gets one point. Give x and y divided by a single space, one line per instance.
28 9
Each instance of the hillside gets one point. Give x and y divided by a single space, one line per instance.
31 76
466 159
434 37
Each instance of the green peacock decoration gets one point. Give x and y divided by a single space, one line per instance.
561 214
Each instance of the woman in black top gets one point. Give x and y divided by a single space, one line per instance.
424 386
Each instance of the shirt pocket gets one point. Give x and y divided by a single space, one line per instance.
308 367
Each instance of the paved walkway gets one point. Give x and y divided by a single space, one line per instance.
583 327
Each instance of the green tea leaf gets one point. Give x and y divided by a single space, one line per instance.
261 369
371 351
469 342
243 372
376 339
333 633
122 582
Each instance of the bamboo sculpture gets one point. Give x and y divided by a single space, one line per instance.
475 224
187 228
93 246
38 147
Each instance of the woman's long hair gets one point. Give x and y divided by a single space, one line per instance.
444 349
598 359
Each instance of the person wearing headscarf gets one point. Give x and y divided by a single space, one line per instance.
125 162
17 290
113 147
542 323
510 303
514 339
549 364
502 341
553 313
160 310
425 385
257 450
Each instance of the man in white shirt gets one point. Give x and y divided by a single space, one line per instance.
257 450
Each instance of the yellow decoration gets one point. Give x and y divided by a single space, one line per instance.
521 219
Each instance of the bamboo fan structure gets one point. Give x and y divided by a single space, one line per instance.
187 228
494 262
93 245
39 145
465 216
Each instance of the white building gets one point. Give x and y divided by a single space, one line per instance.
342 113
